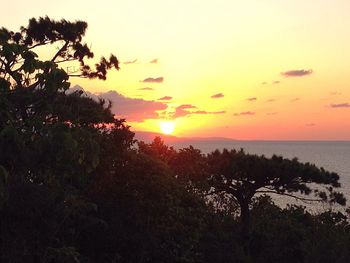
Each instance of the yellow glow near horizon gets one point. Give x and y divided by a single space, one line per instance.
167 127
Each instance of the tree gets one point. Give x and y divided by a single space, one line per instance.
151 217
51 140
187 164
294 234
36 112
157 149
241 176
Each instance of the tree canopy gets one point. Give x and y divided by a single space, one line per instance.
241 176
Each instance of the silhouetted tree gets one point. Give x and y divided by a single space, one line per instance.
293 234
51 142
157 149
241 176
151 217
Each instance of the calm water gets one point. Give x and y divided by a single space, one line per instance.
331 155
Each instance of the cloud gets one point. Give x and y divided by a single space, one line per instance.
132 109
244 113
310 124
252 99
295 99
182 111
146 88
271 113
186 106
130 62
335 93
217 96
208 112
154 61
166 98
341 105
271 100
188 109
297 73
153 80
275 82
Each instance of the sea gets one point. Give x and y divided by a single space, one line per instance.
331 155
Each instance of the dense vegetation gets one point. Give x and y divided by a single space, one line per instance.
76 187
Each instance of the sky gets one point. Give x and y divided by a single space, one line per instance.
271 70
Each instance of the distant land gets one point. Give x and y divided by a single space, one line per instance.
149 136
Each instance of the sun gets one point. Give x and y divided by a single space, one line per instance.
167 127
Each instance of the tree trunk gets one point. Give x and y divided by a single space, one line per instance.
245 224
245 218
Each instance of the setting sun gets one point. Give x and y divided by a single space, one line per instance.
167 127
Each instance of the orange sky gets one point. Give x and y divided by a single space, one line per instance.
235 50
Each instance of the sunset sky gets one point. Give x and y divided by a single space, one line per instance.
248 69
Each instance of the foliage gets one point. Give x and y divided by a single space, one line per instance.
51 141
241 176
150 216
295 235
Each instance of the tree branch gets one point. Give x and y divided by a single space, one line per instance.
290 195
76 75
64 47
39 44
10 72
66 60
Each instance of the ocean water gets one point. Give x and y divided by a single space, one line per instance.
332 155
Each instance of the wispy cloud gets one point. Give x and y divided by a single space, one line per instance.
271 100
341 105
153 80
335 93
297 73
154 61
275 82
252 99
244 113
208 112
271 113
310 124
130 62
189 109
166 98
182 111
146 88
295 99
217 96
186 106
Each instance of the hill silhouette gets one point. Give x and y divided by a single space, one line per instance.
149 136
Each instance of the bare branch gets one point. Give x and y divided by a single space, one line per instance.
10 72
39 44
290 195
63 48
66 60
77 75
